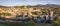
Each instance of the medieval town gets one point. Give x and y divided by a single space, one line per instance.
29 12
20 14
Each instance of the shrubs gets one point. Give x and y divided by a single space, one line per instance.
5 14
57 21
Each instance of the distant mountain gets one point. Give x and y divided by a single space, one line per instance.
47 5
38 5
4 6
52 5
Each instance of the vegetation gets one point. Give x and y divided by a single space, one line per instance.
19 24
57 22
5 14
36 13
45 11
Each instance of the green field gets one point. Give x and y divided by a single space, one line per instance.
25 24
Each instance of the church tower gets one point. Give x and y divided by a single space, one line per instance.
51 13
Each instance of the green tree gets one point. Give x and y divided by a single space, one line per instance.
5 14
36 13
45 11
57 22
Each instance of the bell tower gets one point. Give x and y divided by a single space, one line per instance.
51 13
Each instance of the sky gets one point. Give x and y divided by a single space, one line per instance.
27 2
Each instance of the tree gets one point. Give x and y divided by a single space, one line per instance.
5 14
57 21
36 13
45 11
